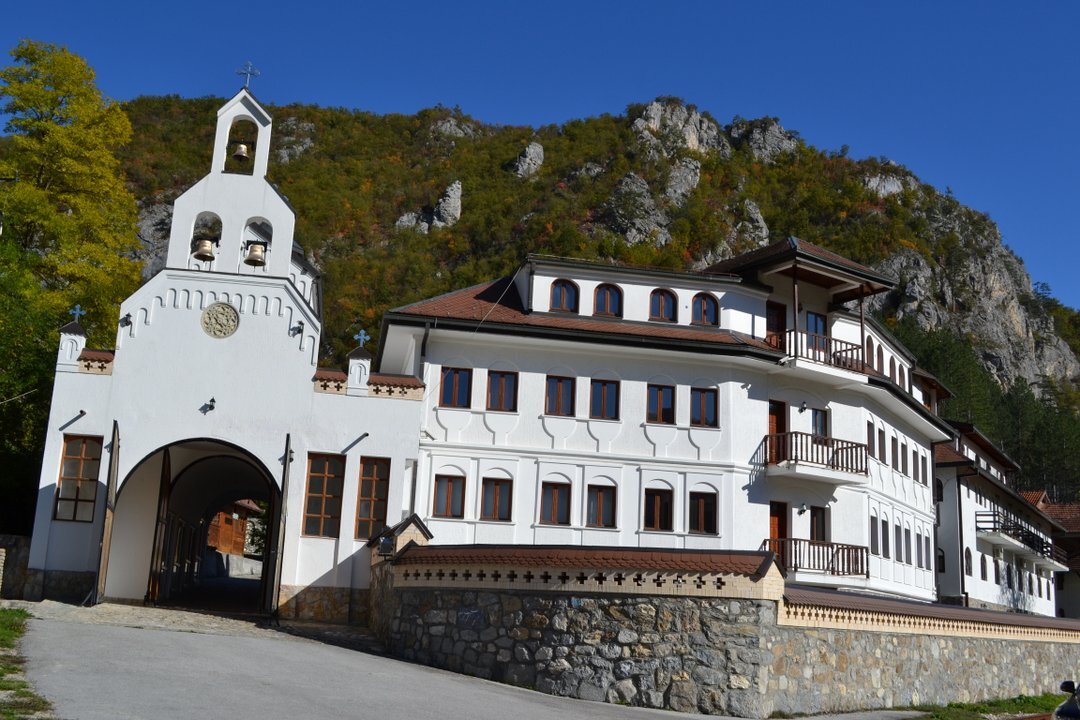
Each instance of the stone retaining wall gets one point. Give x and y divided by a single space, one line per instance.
711 655
14 556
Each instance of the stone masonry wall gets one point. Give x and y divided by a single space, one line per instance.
709 655
687 654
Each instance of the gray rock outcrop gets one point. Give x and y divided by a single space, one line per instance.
632 211
453 128
682 180
664 129
529 161
294 138
154 224
765 137
446 213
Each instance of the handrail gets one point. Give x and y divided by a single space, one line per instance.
997 521
824 349
801 447
801 555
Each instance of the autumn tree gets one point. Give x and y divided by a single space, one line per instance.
68 237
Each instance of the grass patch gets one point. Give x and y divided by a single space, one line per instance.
17 699
1022 705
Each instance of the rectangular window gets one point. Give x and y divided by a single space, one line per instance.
555 504
922 469
703 513
918 549
895 455
899 543
703 407
819 525
819 422
658 509
903 458
456 387
601 506
502 391
449 496
907 545
915 464
77 484
604 400
326 484
371 500
495 503
926 552
661 404
874 548
881 444
870 438
885 538
559 399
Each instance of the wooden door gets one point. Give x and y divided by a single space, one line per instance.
777 440
275 545
157 553
778 512
775 324
819 529
110 508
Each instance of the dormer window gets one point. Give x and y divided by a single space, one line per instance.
706 311
564 296
662 306
608 301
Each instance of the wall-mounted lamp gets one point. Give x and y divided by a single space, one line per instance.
126 320
386 547
802 407
211 404
802 509
297 329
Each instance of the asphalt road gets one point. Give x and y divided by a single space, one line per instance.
111 672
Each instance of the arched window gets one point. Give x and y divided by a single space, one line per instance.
903 381
240 153
706 310
608 301
997 572
892 369
982 566
1008 576
870 351
880 360
564 296
662 306
967 561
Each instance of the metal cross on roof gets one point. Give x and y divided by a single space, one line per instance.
248 71
361 337
77 311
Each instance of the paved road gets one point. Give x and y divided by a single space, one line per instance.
114 662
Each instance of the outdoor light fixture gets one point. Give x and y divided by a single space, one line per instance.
126 320
299 328
212 404
802 509
802 408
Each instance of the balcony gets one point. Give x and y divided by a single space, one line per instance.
825 350
813 457
821 558
1004 530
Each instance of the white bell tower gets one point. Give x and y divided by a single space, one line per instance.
233 220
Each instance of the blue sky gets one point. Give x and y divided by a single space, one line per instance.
980 97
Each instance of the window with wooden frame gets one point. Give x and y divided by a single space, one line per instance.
372 496
703 407
496 494
915 464
604 400
456 388
449 500
819 523
662 306
325 486
502 391
819 425
926 550
885 537
874 547
899 545
564 296
907 545
607 301
703 513
661 404
705 310
922 470
881 445
870 438
658 506
903 458
918 549
982 566
895 454
76 491
967 561
559 397
555 503
600 506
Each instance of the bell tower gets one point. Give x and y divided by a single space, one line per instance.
233 220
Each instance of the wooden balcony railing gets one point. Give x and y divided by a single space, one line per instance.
828 558
825 452
824 349
999 522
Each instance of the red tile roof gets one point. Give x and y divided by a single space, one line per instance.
330 374
791 246
1065 514
1034 496
498 303
946 454
732 562
103 355
406 381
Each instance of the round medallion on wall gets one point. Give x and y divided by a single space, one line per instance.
220 320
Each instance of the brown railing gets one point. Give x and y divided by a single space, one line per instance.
816 556
824 349
1000 522
825 452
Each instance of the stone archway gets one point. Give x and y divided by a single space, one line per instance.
159 529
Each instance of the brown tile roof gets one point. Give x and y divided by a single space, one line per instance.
792 246
1065 514
1034 496
946 454
330 374
498 302
733 562
820 597
406 381
103 355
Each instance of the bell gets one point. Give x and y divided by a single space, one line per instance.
204 249
240 154
256 255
